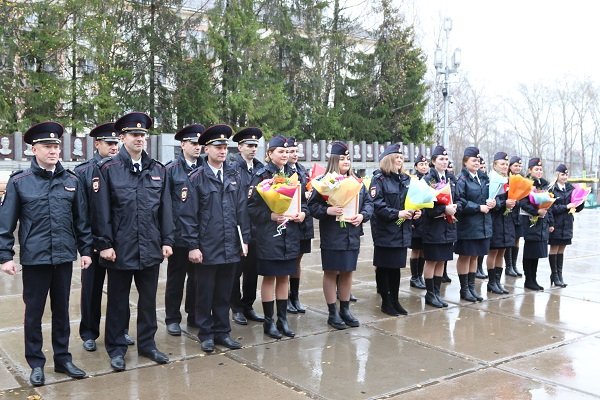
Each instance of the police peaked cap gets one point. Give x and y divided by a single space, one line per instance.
248 136
136 123
216 135
45 132
106 132
190 133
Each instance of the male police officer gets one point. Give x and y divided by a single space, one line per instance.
246 164
215 229
92 279
133 230
49 204
179 265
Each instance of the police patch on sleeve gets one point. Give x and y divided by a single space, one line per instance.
184 194
96 184
373 191
250 191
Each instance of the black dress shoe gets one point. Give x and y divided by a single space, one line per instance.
207 346
70 369
156 356
253 316
117 363
89 345
239 318
174 329
228 342
129 340
37 376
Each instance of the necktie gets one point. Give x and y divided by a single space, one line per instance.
250 170
443 179
136 168
219 176
193 166
477 180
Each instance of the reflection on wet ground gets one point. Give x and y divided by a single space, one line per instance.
523 345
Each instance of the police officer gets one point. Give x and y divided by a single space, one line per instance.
49 204
133 230
92 279
215 228
179 265
247 165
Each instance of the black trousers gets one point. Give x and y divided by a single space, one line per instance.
117 309
244 300
92 282
178 267
213 289
38 280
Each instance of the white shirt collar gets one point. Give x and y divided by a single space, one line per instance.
214 170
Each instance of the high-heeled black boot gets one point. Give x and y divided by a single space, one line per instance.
509 262
479 274
515 257
498 277
269 325
465 293
471 281
560 257
445 277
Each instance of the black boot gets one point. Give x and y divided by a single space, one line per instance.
471 281
334 319
269 325
554 280
480 274
347 316
430 297
394 275
384 292
352 297
445 277
530 268
437 285
559 267
282 322
290 306
492 286
414 274
420 270
465 294
515 257
509 262
498 277
294 293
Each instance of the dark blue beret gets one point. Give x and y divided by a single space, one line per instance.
278 141
391 149
190 132
500 156
439 151
291 142
514 160
216 135
534 162
136 123
106 132
472 151
339 149
45 132
562 168
420 158
248 136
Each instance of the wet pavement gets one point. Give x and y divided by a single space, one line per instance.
523 345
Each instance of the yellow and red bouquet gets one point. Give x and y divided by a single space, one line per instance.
278 192
338 190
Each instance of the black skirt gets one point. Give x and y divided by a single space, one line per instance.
559 242
389 257
305 246
535 249
339 260
416 243
438 251
275 267
472 247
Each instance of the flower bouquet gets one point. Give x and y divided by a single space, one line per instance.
444 197
316 171
542 200
339 191
578 195
420 195
278 193
497 183
518 188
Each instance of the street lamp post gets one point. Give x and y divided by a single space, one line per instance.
443 67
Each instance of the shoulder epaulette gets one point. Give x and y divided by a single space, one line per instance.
261 171
172 162
159 163
16 173
195 171
71 172
104 161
